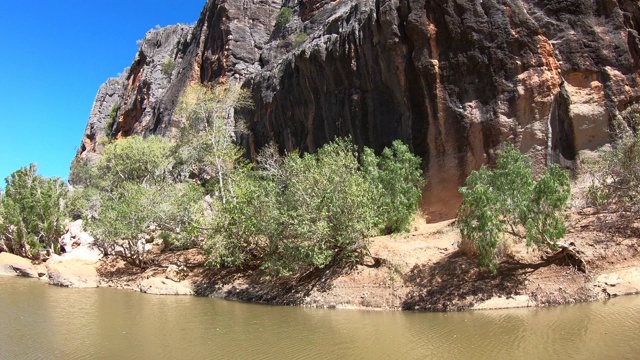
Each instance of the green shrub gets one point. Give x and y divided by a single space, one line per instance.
508 203
397 180
135 159
284 17
132 197
315 211
81 172
206 149
82 203
167 67
32 212
133 212
299 39
616 177
112 120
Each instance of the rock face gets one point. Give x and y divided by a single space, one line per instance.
452 78
141 100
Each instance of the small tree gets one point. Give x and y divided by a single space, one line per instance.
32 212
309 212
617 178
135 159
167 67
507 202
81 173
284 17
134 212
205 147
133 199
397 181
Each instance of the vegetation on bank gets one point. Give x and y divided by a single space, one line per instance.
506 204
286 214
31 213
289 213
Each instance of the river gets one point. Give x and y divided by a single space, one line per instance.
38 321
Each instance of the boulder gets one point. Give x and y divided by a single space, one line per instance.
176 273
75 237
620 282
162 286
85 253
72 272
14 265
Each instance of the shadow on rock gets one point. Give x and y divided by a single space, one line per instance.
251 285
456 283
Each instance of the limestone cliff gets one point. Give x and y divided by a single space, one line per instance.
453 78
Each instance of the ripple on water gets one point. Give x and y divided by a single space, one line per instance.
45 322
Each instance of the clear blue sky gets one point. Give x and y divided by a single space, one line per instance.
55 55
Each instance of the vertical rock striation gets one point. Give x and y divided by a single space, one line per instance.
452 78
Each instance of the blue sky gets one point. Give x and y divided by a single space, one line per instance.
55 55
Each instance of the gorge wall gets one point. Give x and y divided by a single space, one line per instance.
452 78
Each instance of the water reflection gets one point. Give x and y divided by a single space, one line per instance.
44 322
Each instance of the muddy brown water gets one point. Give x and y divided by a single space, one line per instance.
38 321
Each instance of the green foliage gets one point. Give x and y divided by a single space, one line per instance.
135 159
617 177
32 212
307 212
133 212
508 202
315 211
205 148
167 67
131 198
113 115
299 39
284 17
397 180
81 172
82 203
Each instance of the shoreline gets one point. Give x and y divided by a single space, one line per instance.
418 271
624 282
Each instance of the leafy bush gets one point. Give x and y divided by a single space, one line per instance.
32 212
507 202
307 212
82 203
617 177
113 115
284 17
167 67
81 172
135 159
205 149
316 211
132 198
299 39
133 212
397 180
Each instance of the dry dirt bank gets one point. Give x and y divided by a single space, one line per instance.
421 270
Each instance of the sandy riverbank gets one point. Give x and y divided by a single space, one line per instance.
421 270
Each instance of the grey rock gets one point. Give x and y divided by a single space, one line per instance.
161 286
74 273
